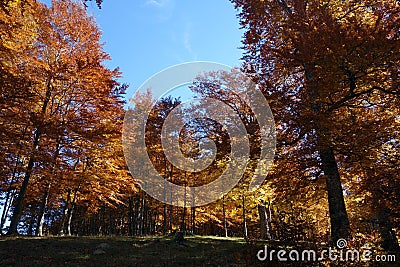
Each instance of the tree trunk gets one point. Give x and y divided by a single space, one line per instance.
130 216
18 207
263 220
382 213
340 226
110 222
155 228
171 208
165 219
10 191
165 198
31 224
70 212
40 219
65 214
9 198
122 222
389 239
224 214
193 210
142 214
270 231
183 224
244 217
136 223
12 230
6 208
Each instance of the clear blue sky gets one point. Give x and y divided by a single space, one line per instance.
145 36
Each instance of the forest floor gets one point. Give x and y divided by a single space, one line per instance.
134 251
122 251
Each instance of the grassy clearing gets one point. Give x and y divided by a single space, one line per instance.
122 251
143 251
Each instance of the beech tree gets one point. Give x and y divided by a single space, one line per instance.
75 101
314 58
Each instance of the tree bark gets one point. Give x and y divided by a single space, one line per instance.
193 210
183 224
142 214
389 239
12 230
340 226
244 217
263 221
70 212
6 209
64 214
264 224
165 198
130 216
224 214
40 219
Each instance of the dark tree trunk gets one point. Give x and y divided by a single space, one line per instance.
122 222
165 219
31 225
136 223
130 216
171 218
143 214
9 197
12 230
382 213
11 193
340 226
389 239
263 221
18 207
193 219
155 221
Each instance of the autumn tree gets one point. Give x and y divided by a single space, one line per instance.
18 25
315 59
75 101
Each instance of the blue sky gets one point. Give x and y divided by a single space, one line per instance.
145 36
